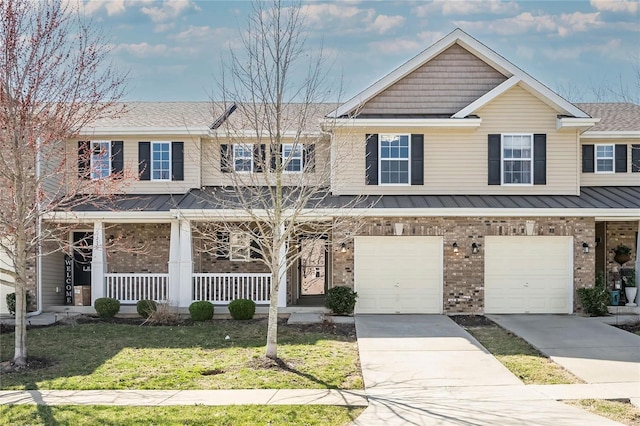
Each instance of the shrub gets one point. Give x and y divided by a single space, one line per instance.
163 314
242 309
107 307
11 302
341 300
596 299
146 307
201 311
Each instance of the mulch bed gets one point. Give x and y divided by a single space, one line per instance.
471 320
33 363
631 328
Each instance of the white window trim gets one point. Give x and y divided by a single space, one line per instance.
154 143
612 158
380 159
243 245
250 148
286 160
502 159
91 162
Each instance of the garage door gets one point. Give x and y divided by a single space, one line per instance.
528 275
398 275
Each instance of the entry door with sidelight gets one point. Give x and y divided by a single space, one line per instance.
313 263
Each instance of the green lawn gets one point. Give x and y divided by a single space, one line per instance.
520 358
118 356
236 415
622 412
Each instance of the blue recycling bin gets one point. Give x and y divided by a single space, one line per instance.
615 297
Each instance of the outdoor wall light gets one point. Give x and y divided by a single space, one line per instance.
455 247
474 248
343 248
585 247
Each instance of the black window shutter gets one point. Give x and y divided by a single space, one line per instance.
588 165
84 160
255 249
371 160
177 160
540 159
309 158
144 160
635 158
417 159
258 157
222 249
621 158
494 160
117 157
274 156
225 158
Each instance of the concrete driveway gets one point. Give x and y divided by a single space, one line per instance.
426 370
591 350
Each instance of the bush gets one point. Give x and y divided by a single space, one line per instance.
341 300
596 299
146 307
164 314
107 307
201 311
11 302
242 309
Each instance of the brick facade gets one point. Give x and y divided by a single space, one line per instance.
464 273
142 248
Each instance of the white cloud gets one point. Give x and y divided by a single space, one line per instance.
347 18
113 7
146 50
573 53
205 33
449 7
624 6
385 23
170 9
406 45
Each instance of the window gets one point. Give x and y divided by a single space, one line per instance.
292 157
240 246
604 159
517 158
100 159
243 158
160 161
394 160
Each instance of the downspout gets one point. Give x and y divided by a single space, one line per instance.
39 233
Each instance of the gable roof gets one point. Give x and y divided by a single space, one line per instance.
481 51
614 117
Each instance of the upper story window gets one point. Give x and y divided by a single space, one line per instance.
395 164
161 161
292 157
517 159
605 159
239 246
243 157
100 159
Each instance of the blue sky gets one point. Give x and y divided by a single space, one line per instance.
173 47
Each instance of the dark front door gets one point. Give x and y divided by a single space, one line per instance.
82 249
313 267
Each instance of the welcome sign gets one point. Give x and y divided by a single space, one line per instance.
68 280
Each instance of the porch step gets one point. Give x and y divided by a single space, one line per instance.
305 318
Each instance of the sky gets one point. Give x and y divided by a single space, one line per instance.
173 48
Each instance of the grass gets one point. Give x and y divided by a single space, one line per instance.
118 356
79 415
520 358
622 412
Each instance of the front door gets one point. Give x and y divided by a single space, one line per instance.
82 250
313 263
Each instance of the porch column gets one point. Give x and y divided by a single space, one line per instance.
282 263
638 264
98 263
174 263
186 264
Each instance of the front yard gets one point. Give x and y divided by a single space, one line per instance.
99 355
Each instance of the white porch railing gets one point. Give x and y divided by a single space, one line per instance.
220 289
130 288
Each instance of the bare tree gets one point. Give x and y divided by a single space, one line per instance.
273 149
54 79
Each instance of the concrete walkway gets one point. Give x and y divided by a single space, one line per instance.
591 350
426 370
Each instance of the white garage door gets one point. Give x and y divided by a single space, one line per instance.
528 275
398 275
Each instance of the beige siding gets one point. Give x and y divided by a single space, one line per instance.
456 160
6 263
53 279
610 179
132 185
212 174
444 85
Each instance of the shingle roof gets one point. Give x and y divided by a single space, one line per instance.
613 116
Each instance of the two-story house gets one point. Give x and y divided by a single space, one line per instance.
490 193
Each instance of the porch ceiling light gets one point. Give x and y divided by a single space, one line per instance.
343 248
585 247
455 247
474 248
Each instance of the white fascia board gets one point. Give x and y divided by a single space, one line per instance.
408 122
110 216
254 134
487 97
152 131
616 134
576 123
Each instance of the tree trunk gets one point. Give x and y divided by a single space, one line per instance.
272 327
20 355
